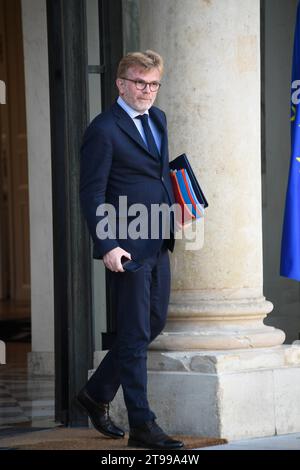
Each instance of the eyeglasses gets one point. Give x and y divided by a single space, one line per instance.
141 84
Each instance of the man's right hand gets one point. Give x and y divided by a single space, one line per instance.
112 259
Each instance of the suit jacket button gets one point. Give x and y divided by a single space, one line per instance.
162 178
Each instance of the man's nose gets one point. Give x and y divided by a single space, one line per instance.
147 88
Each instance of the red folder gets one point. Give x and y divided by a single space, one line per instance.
182 162
186 215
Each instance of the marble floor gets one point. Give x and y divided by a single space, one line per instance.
24 399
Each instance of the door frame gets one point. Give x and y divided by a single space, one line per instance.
66 24
72 253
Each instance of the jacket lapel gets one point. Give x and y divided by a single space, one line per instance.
126 124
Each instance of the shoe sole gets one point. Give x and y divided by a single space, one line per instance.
82 407
132 443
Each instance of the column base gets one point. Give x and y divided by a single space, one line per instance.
213 338
217 324
230 394
41 363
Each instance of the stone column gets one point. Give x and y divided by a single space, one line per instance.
217 370
211 94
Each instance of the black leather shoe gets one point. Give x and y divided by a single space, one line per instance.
99 415
151 436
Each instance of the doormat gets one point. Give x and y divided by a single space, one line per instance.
13 431
89 439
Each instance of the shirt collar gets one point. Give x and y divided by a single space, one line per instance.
133 113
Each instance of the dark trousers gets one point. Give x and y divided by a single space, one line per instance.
141 303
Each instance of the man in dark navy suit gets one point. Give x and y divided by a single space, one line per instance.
125 155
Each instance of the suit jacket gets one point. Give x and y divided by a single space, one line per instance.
116 162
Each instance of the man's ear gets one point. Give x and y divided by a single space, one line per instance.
120 84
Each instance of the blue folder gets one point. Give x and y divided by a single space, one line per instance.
183 162
186 196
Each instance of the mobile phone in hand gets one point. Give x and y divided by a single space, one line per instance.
130 265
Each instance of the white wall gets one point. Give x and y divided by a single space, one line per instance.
279 32
40 192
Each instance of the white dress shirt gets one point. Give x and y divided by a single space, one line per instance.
133 114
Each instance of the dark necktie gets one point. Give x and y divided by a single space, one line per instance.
152 147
